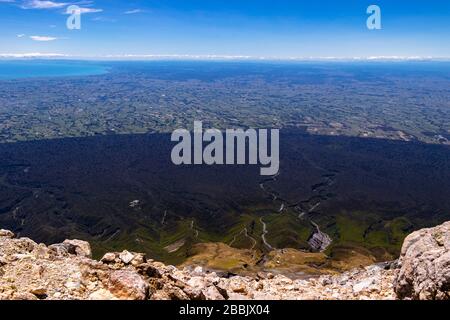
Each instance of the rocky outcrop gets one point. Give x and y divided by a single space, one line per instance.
425 265
127 284
65 271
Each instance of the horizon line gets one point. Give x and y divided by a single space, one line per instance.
210 57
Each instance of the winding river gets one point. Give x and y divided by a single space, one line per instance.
319 240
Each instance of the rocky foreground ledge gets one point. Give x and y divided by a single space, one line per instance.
66 271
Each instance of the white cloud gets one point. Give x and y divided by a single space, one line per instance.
43 38
212 57
90 10
20 35
82 10
178 56
43 4
134 11
48 4
32 55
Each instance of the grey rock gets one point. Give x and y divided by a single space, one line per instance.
425 265
126 256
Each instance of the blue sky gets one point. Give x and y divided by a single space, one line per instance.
279 29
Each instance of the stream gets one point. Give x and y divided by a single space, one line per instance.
319 240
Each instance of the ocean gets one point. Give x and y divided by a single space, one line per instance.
20 69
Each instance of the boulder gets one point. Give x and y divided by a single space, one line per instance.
149 270
128 285
109 257
138 259
126 256
198 271
79 247
40 293
6 233
171 292
102 294
425 265
60 250
211 293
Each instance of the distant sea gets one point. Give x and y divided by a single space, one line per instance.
19 69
